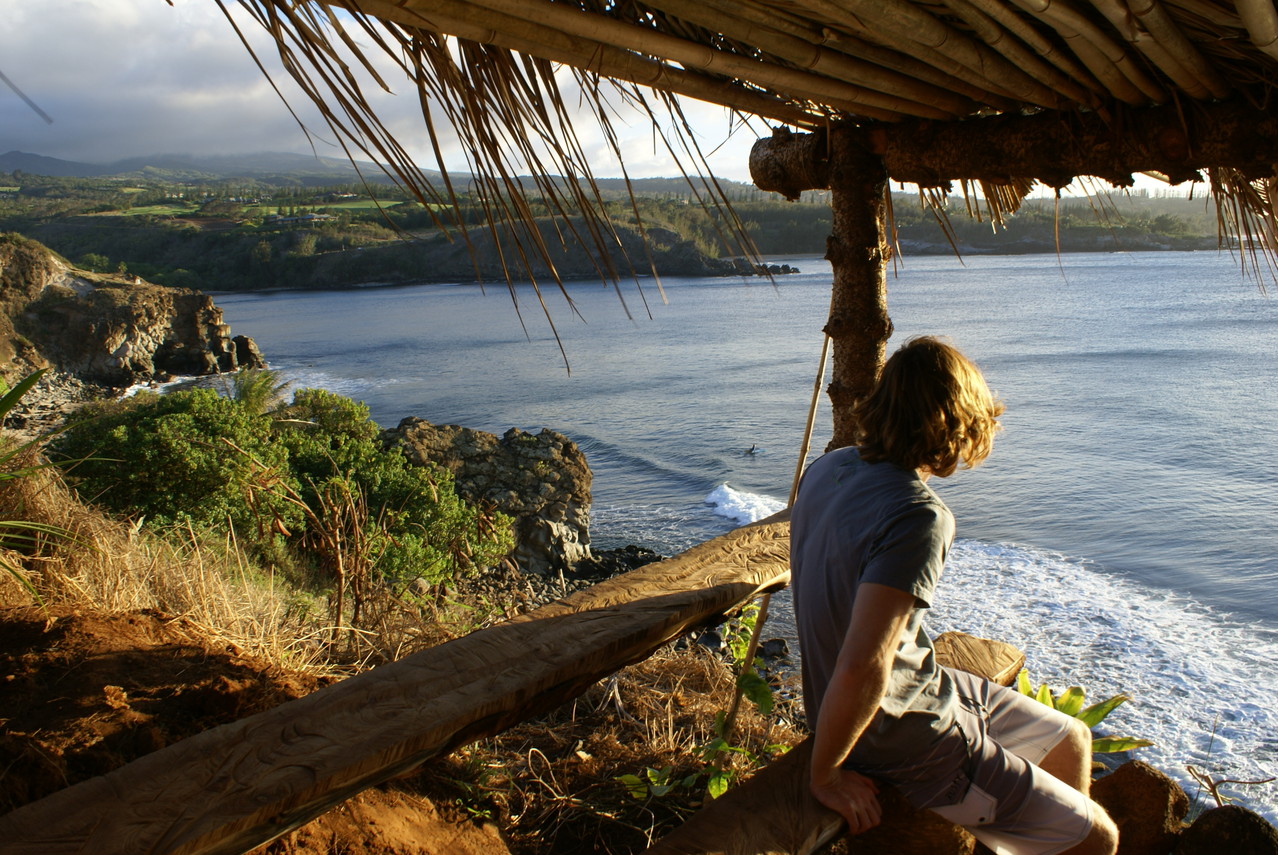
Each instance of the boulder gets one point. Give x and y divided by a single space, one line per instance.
1145 804
541 480
1229 830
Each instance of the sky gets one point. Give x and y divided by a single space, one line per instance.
126 78
131 78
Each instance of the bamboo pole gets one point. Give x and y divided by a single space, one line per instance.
989 31
1261 20
466 21
822 87
1041 45
1112 65
1122 19
1155 18
804 54
912 29
945 73
765 602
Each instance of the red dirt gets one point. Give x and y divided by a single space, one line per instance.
83 693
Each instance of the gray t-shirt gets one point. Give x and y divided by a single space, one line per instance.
859 522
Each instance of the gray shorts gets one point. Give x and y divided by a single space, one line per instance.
1003 798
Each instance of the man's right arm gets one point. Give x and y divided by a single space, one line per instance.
852 697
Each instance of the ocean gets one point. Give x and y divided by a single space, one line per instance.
1123 532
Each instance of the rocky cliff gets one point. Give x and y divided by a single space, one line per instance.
109 330
541 480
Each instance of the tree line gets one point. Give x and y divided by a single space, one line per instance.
247 235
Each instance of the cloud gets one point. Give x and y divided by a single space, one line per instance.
127 78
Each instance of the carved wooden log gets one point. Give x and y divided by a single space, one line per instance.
774 813
243 784
1054 147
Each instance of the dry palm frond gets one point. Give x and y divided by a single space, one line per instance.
1246 215
514 125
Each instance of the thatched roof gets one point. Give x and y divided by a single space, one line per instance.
1026 90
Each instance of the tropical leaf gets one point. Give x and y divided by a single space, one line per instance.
757 690
1096 713
22 533
634 786
718 783
1115 744
14 395
1070 701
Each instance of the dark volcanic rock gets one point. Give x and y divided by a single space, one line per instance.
541 480
1230 829
1145 804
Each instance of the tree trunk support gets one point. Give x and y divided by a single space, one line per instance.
858 250
1053 147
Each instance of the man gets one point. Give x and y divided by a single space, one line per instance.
868 544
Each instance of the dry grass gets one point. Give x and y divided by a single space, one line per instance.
117 566
552 784
113 566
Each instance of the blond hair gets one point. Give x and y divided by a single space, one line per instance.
929 410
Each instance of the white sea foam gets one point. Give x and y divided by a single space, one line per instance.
1202 682
159 388
740 506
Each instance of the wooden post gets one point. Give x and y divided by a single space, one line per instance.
858 249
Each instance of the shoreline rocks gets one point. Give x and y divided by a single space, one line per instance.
541 480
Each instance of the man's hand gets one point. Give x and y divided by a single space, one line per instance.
854 796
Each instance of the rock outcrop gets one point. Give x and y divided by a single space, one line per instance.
1146 805
1229 829
109 330
541 480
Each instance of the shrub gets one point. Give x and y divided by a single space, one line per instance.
420 528
167 459
197 457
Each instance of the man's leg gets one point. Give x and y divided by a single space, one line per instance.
1021 740
1071 759
1071 762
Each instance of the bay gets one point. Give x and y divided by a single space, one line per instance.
1122 533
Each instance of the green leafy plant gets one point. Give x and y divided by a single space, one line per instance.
721 759
258 390
164 458
1071 703
656 783
305 474
738 633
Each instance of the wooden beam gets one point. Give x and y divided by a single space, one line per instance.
774 813
1052 147
244 784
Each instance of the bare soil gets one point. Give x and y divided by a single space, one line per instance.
83 693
